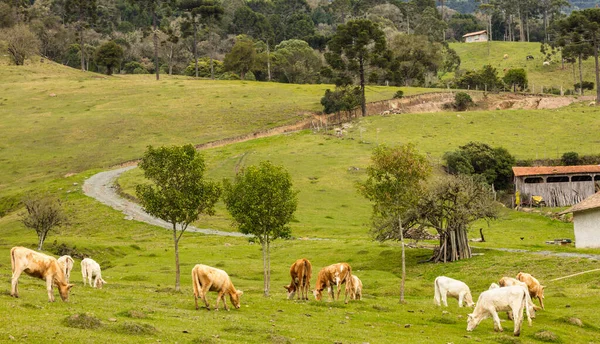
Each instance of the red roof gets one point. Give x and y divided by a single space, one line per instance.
475 33
550 170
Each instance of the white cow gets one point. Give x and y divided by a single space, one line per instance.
355 288
500 299
66 263
509 282
90 269
445 286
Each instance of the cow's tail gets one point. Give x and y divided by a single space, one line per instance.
350 282
528 304
196 286
12 259
307 273
437 294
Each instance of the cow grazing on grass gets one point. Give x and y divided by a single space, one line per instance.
355 288
536 290
444 286
206 278
38 265
66 262
90 269
491 301
511 282
529 57
334 275
301 272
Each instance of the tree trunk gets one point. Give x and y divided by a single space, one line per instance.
268 266
580 76
268 62
264 254
597 72
403 280
195 47
545 24
177 272
81 47
155 39
363 101
171 60
41 238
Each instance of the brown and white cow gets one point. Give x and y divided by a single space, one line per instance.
335 274
536 290
301 272
355 288
38 265
90 269
66 262
491 301
206 278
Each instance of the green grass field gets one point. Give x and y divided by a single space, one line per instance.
475 55
139 304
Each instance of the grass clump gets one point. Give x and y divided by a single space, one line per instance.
136 328
571 321
203 340
443 320
132 313
277 339
547 336
507 340
83 321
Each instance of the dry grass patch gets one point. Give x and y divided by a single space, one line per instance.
84 321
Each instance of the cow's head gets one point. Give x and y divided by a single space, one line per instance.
235 298
63 290
469 300
100 282
472 322
318 293
291 291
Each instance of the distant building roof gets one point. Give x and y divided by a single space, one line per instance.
589 203
550 170
474 33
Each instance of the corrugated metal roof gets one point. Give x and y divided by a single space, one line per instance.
474 33
550 170
589 203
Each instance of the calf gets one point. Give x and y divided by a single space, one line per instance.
301 272
38 265
355 288
444 286
500 299
206 278
335 274
90 269
66 262
536 290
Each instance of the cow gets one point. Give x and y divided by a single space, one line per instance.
335 274
38 265
206 278
505 56
90 269
301 272
444 286
500 299
66 262
546 63
355 288
510 282
536 290
529 57
493 286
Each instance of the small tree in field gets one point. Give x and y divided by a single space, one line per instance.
262 202
42 214
109 55
21 43
179 193
394 184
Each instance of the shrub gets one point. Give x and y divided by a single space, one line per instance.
21 43
570 159
399 94
462 101
204 68
229 76
132 66
587 85
516 79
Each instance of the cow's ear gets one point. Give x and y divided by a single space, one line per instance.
287 287
543 287
240 293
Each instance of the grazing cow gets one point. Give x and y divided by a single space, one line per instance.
357 286
510 282
536 290
66 262
445 286
206 278
335 274
546 63
38 265
529 57
301 272
505 56
500 299
90 269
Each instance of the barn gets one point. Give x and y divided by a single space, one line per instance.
558 186
479 36
586 221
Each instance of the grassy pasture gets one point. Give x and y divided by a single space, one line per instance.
475 56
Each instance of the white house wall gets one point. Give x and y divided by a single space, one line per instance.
587 228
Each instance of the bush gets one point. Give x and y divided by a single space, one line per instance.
399 94
204 68
570 159
132 66
516 79
486 77
587 85
229 76
21 43
462 101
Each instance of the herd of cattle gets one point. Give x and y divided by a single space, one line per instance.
512 295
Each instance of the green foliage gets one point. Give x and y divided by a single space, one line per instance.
587 85
461 24
570 159
42 214
242 56
134 67
414 59
485 78
204 68
399 94
462 101
109 55
516 79
342 99
296 61
493 165
21 43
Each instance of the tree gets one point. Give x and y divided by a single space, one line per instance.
516 78
42 214
179 193
82 13
211 12
570 159
354 46
262 202
462 101
571 38
241 57
449 205
20 43
394 183
109 55
297 61
341 99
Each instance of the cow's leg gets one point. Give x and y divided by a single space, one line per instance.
497 325
49 288
461 297
219 296
14 283
444 298
205 289
541 302
83 276
89 276
517 314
